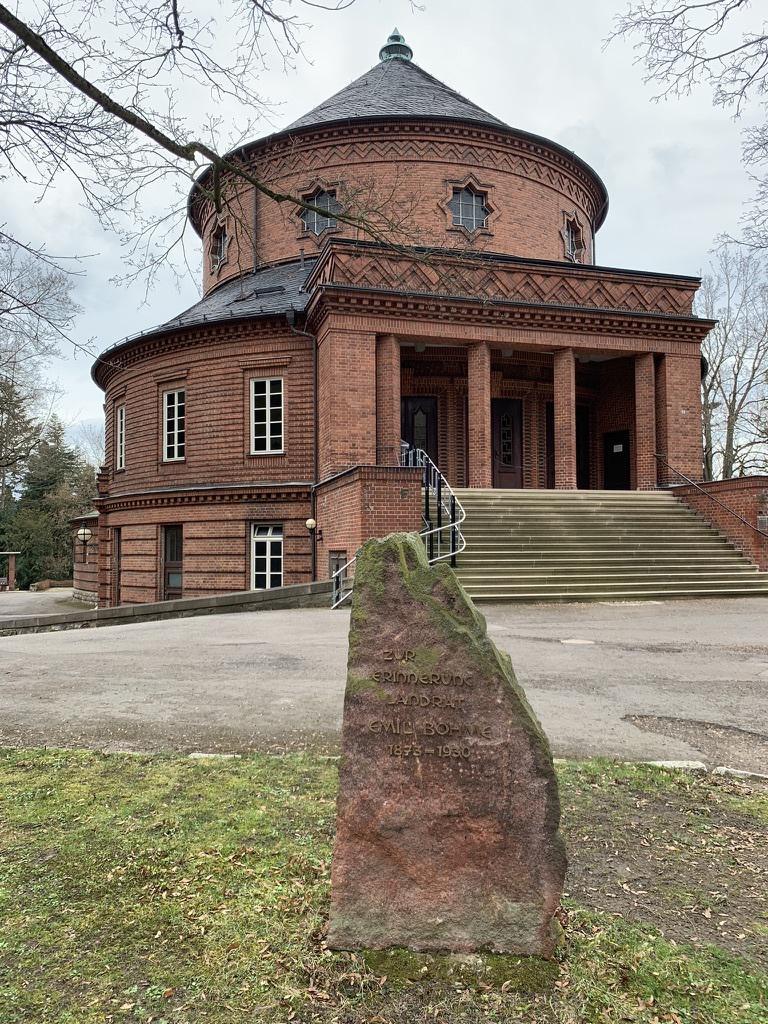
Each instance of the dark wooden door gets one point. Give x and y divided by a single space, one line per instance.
173 558
582 446
419 423
616 465
507 420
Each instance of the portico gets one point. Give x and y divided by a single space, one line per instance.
507 417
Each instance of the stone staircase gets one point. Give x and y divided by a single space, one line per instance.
538 545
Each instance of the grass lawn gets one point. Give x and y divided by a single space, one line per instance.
179 891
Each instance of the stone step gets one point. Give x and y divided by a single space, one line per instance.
513 562
758 584
617 594
641 576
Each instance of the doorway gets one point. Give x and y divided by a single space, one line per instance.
173 557
507 426
617 474
419 423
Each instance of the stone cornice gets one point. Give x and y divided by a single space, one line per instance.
210 494
458 312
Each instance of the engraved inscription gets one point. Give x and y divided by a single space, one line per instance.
416 690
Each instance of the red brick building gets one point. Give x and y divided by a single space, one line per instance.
487 336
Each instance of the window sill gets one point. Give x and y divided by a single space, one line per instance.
265 455
172 462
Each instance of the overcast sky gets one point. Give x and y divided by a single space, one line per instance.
672 169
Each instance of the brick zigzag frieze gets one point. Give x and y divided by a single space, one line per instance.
488 151
538 286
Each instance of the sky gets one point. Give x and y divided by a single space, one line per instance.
672 169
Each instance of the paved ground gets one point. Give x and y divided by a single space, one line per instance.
16 603
672 680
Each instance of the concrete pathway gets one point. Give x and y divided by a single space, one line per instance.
670 680
17 603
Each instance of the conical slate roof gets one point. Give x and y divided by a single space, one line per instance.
395 87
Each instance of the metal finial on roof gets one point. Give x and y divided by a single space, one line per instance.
396 48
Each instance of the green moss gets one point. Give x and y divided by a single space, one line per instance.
403 967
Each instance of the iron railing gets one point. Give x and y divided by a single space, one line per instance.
442 514
711 497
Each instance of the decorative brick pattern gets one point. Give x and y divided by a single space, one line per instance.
407 167
569 285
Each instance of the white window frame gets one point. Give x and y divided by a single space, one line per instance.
271 448
177 446
271 535
120 437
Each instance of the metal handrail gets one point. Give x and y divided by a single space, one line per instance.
717 501
446 504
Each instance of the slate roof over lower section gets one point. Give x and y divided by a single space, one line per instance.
272 291
395 88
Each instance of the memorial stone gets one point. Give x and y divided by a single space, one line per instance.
448 810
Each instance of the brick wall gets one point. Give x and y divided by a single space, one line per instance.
85 558
346 371
411 169
215 368
678 404
369 501
746 496
216 544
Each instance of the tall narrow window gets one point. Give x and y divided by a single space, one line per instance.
469 208
316 222
120 437
267 557
219 244
574 240
174 425
267 416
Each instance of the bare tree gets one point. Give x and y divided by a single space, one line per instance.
107 109
36 312
735 388
722 44
89 438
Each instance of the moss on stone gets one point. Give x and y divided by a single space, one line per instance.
515 973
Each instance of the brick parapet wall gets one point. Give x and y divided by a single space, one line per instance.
365 502
747 497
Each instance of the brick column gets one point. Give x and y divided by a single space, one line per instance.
678 416
645 421
388 401
479 426
565 419
346 399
